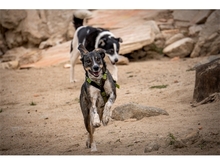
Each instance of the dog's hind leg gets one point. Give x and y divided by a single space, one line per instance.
90 143
73 60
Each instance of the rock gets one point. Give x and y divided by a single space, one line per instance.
207 83
209 38
166 26
207 60
174 141
191 138
13 39
152 146
31 27
122 60
134 38
180 48
22 55
174 38
54 40
138 54
83 13
153 26
3 45
186 18
34 30
10 19
131 110
195 29
184 15
52 56
58 20
10 65
169 33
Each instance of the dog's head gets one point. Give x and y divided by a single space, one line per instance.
93 62
112 47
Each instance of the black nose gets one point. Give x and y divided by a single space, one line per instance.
116 60
96 68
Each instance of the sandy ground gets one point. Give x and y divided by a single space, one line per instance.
40 112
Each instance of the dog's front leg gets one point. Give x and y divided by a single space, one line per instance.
115 73
94 114
107 109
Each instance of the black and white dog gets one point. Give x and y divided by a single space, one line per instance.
98 92
93 38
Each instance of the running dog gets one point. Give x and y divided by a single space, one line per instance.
98 92
93 38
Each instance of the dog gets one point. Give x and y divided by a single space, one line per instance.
98 92
93 38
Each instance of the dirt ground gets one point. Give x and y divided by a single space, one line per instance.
40 112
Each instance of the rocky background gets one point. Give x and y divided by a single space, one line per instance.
176 33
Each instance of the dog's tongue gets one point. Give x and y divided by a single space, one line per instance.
96 74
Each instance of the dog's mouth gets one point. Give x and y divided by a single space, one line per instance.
94 73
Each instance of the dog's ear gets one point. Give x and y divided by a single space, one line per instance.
82 49
119 40
101 52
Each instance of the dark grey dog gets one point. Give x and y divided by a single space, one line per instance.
98 92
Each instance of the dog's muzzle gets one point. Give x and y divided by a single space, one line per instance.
114 61
95 70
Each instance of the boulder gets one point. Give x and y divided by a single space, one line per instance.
31 27
22 56
209 38
180 48
34 29
152 146
195 29
131 110
174 38
185 18
207 83
10 19
135 38
9 65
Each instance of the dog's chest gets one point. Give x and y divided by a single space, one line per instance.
95 93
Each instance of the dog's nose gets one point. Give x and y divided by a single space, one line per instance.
116 60
95 67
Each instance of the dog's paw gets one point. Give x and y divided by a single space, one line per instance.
105 120
96 121
73 81
93 147
88 145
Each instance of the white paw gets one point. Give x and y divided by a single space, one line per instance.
105 120
93 147
96 120
73 81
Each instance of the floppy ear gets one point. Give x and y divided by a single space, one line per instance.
101 52
82 49
119 39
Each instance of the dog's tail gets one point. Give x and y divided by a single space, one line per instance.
79 16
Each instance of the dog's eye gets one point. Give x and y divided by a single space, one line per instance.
111 51
88 61
98 59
